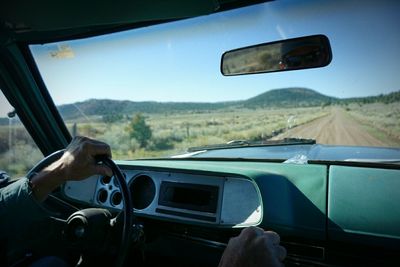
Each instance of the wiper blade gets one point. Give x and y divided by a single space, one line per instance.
246 143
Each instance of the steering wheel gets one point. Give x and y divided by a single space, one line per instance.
127 211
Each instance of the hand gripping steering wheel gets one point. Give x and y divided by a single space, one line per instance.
78 219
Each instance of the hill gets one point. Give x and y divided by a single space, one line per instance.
285 97
103 107
289 97
387 98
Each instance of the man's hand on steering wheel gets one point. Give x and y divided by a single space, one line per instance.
79 158
77 163
85 157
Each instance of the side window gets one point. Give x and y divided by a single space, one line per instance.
18 152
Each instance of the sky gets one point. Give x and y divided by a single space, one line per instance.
180 61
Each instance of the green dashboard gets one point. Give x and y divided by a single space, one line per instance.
313 201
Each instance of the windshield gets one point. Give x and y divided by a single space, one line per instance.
157 91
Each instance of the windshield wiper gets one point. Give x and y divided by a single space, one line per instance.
247 143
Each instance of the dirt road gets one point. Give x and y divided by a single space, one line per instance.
337 128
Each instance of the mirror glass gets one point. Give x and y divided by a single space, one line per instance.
291 54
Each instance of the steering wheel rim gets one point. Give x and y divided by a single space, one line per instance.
127 210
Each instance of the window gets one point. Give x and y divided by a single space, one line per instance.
18 152
157 91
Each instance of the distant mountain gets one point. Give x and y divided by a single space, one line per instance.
289 97
103 107
285 97
387 98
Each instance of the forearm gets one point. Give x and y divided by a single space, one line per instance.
47 180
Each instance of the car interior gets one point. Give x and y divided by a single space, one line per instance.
335 210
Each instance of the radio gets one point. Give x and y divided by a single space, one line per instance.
179 198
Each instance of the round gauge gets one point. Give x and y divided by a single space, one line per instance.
102 195
143 191
116 198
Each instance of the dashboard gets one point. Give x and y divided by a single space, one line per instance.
319 210
218 199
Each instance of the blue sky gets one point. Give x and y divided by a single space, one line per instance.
181 61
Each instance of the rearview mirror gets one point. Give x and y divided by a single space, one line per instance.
291 54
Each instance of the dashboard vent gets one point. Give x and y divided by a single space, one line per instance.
304 251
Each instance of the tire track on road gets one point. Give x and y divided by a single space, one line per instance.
337 128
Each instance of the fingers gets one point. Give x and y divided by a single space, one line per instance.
265 240
253 231
96 148
99 148
281 252
80 158
272 237
102 170
91 146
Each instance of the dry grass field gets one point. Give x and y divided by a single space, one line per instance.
380 120
173 133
